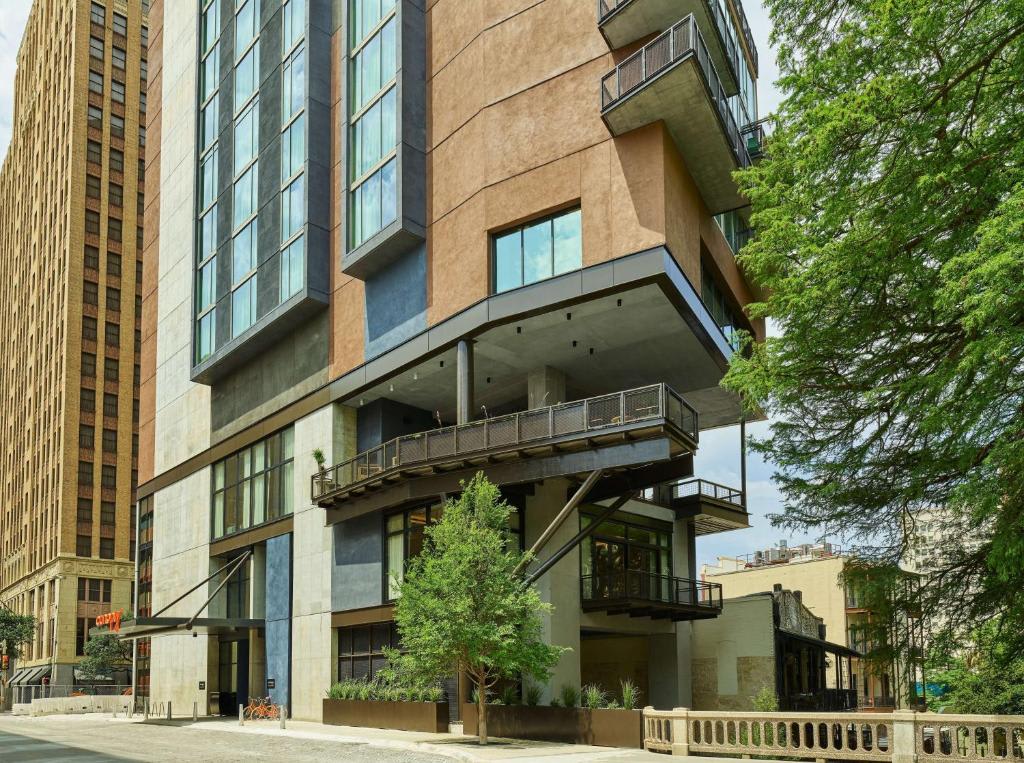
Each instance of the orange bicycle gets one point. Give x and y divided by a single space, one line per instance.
261 708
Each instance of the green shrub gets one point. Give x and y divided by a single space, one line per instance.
630 694
510 695
594 697
556 702
766 701
613 704
533 693
570 696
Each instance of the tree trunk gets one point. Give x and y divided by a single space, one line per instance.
481 713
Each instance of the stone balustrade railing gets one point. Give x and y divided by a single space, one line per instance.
900 737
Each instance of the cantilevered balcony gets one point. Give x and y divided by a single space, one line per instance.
646 594
673 78
714 508
609 432
626 21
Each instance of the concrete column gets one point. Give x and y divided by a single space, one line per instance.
559 587
545 386
904 742
464 382
684 563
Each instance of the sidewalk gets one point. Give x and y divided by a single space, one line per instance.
463 748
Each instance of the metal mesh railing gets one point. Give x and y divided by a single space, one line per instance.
638 585
657 401
682 41
709 489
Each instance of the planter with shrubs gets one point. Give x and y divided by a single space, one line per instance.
602 720
374 705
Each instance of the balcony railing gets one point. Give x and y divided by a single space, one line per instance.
588 417
682 41
708 489
747 36
648 587
732 54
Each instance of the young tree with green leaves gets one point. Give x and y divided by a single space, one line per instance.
103 653
980 674
15 631
890 250
463 606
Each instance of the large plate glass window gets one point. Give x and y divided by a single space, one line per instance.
538 250
254 485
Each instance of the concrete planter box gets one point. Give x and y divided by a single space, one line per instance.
575 725
403 716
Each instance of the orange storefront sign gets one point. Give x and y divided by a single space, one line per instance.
110 619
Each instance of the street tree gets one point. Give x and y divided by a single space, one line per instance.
103 653
463 606
15 631
889 252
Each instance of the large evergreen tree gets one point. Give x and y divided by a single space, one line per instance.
890 249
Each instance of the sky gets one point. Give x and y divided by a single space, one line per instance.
718 458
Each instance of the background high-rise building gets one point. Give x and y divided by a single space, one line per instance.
71 210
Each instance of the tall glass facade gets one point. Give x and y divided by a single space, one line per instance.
251 256
373 112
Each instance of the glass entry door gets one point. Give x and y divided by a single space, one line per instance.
622 560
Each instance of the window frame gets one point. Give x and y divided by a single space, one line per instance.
548 219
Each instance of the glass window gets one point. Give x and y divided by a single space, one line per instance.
246 25
114 229
109 404
374 66
293 83
116 126
205 335
293 148
374 134
210 26
246 188
293 204
294 22
96 82
116 160
116 91
721 311
118 56
374 203
96 117
90 295
208 180
92 186
254 485
209 73
92 257
243 252
292 267
116 195
247 73
208 124
94 152
88 365
247 135
243 306
539 250
206 284
89 325
366 14
92 222
98 14
120 25
113 265
96 48
208 233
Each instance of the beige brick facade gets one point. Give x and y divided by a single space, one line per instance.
71 200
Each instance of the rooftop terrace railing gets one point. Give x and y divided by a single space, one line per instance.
708 489
524 429
681 42
607 7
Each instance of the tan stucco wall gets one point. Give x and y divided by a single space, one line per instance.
734 655
818 580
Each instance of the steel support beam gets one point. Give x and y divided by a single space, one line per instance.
464 382
586 532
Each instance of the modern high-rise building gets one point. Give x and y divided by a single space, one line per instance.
71 208
423 240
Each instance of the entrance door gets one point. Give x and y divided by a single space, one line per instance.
233 676
608 560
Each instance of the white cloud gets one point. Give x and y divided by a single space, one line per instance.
13 15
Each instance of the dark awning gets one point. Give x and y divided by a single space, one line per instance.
27 676
829 646
143 627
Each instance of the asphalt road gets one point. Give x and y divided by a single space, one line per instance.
82 740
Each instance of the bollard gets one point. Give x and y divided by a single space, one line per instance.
168 711
280 714
241 720
195 711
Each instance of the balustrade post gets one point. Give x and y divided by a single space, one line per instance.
904 736
680 731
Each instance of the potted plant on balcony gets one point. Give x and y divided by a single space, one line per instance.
322 481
